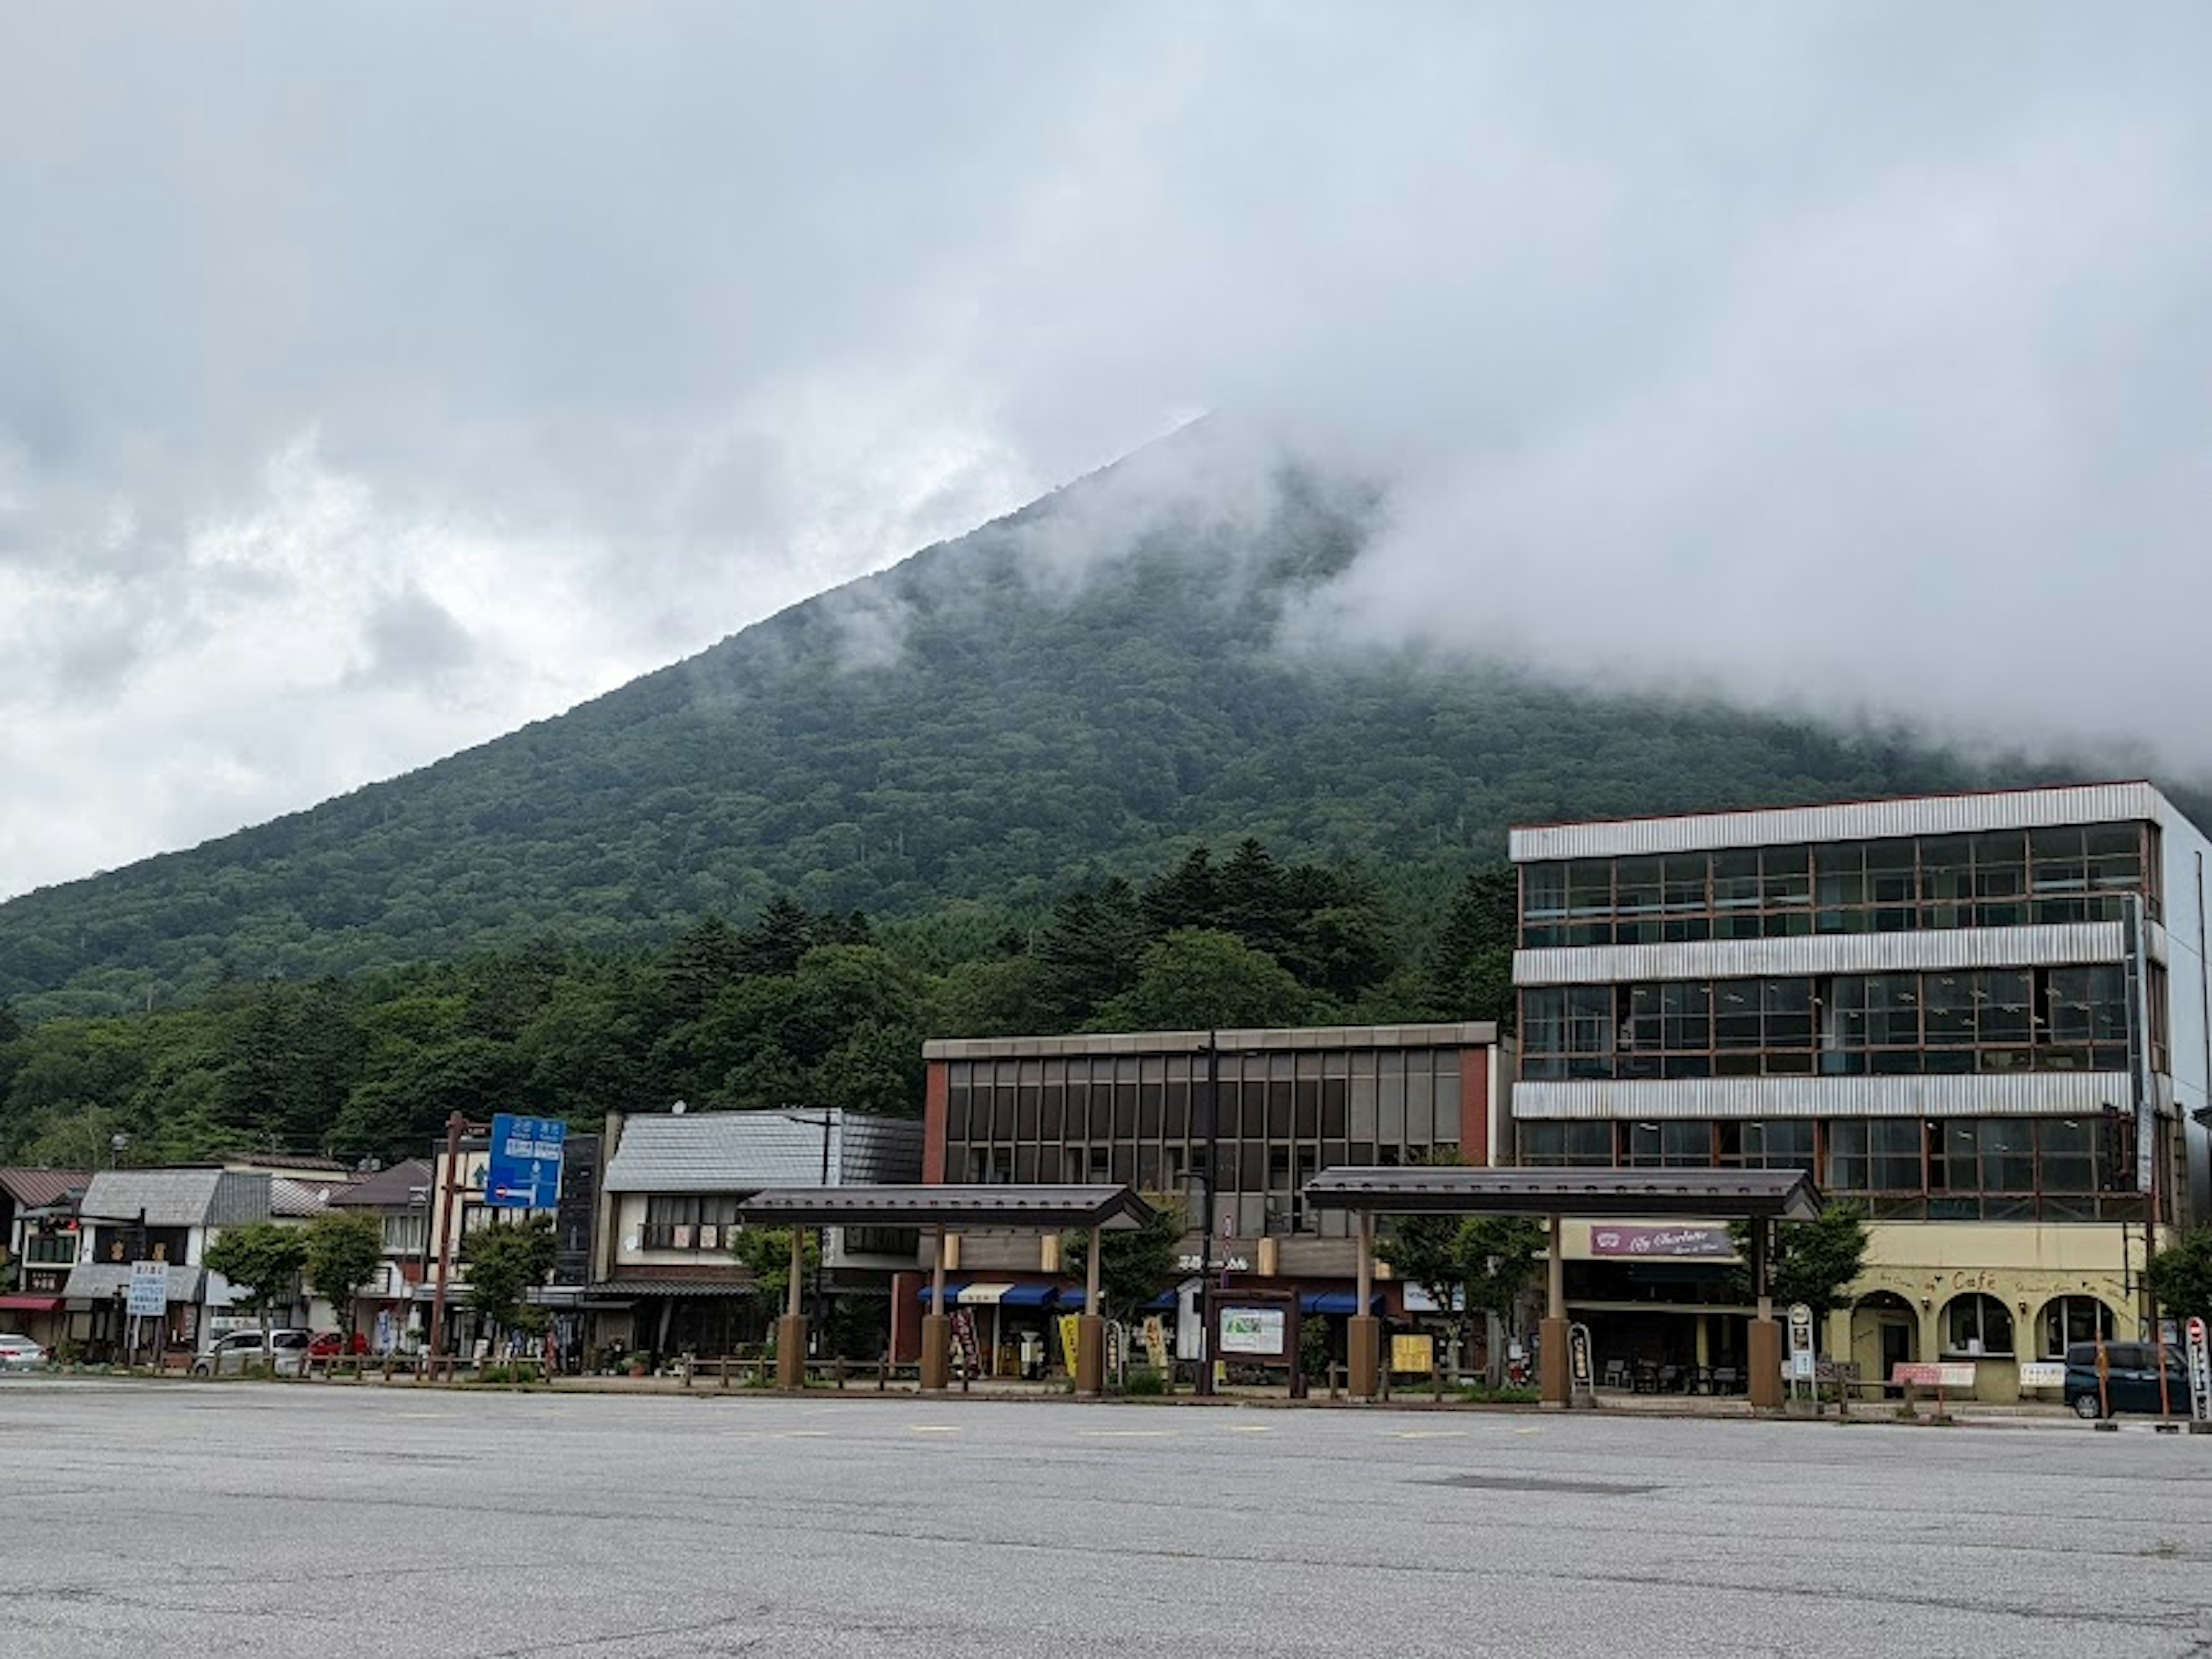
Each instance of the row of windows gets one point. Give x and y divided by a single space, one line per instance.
1281 1169
1402 1107
1994 1020
1231 1066
688 1222
2004 878
1976 1326
1935 1169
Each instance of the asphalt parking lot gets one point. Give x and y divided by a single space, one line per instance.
247 1518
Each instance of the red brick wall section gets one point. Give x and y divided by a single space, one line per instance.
936 1093
1475 1105
906 1317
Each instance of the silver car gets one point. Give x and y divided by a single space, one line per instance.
283 1351
20 1353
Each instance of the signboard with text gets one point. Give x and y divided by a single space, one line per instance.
1947 1375
149 1289
1608 1240
1800 1343
1253 1332
523 1171
2200 1373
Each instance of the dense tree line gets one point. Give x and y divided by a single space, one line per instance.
797 1007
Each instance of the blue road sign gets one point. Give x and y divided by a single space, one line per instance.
524 1169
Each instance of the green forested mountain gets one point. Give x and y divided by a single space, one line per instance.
1089 688
1061 774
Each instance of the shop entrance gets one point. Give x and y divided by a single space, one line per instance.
1885 1334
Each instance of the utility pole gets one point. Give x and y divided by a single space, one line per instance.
1206 1240
454 1125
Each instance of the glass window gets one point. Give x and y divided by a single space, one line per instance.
1543 891
1839 874
1686 882
1786 1011
2008 1150
1948 1004
1893 1152
2068 1149
2070 1319
1737 1018
1787 878
1976 1325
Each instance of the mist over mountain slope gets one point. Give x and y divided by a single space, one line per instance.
1086 687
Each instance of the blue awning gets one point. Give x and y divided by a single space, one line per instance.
1337 1301
952 1289
1030 1296
1163 1302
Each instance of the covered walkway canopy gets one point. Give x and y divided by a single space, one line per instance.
1041 1209
1049 1209
1452 1189
1759 1196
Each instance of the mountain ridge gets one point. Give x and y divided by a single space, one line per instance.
1075 690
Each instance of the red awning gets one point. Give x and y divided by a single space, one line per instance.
29 1304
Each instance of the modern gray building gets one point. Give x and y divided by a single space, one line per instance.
1985 1016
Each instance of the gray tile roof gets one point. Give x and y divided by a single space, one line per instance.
179 1198
739 1152
387 1189
99 1281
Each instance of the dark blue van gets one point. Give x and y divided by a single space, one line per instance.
2131 1378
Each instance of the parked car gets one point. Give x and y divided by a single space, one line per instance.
284 1352
2131 1381
329 1345
20 1353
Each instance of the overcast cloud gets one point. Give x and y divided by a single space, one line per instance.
375 380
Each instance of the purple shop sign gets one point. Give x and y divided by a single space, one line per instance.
1661 1241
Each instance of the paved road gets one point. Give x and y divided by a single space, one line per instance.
252 1518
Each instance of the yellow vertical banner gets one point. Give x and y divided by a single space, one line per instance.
1069 1324
1156 1341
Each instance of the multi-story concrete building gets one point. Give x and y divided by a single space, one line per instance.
1983 1016
1265 1109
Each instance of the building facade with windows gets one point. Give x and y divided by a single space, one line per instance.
665 1281
1159 1110
1984 1017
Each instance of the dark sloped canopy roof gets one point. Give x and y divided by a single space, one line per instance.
1429 1189
1114 1208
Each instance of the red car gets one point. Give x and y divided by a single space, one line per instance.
329 1345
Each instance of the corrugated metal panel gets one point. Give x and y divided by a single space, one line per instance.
1864 820
2039 1093
1823 953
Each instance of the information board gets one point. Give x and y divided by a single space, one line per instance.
2200 1373
523 1171
149 1289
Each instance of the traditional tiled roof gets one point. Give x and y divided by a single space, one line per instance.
738 1151
387 1189
179 1198
35 1190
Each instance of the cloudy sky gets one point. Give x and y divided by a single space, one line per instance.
375 378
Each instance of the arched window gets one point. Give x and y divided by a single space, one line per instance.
2070 1319
1976 1325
